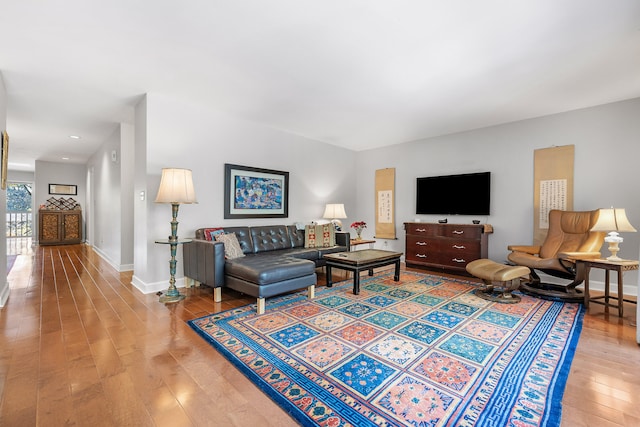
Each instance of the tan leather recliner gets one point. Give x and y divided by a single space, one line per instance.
569 237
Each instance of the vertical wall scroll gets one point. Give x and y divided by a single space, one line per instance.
385 205
553 186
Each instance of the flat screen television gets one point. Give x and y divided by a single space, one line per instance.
465 194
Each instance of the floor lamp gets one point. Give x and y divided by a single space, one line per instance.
176 187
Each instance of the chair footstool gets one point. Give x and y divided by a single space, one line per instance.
506 278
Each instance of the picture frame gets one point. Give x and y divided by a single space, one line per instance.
63 189
4 161
251 192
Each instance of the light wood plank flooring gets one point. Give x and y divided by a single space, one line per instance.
79 346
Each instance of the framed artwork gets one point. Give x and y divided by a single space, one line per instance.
66 189
4 160
255 193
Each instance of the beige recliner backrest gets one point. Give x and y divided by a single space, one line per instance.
570 232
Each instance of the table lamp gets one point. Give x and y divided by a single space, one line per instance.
176 187
613 221
335 212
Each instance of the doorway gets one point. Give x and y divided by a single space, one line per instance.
19 219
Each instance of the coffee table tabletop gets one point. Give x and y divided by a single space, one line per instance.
363 256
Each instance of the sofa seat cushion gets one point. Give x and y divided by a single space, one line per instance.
312 253
265 269
330 250
301 253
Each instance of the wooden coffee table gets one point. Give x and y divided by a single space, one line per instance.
358 261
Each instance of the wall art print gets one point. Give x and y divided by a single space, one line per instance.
255 193
66 189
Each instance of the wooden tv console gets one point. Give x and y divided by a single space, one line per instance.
445 246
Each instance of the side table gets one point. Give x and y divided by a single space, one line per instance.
620 267
172 294
355 242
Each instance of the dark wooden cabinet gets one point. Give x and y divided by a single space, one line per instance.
59 227
445 246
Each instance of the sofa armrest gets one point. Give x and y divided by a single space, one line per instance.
204 262
343 239
574 256
532 250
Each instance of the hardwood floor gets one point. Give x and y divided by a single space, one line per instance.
80 346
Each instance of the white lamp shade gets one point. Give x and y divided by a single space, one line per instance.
334 210
176 186
613 220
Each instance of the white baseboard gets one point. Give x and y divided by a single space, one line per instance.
118 267
152 288
125 267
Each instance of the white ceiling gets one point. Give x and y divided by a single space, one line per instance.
358 74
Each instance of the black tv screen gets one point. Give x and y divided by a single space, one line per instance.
466 194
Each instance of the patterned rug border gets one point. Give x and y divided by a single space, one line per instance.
552 414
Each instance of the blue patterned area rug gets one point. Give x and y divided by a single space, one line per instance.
423 351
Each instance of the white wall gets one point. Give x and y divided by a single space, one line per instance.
180 134
105 210
21 176
606 172
4 284
126 159
59 173
110 197
141 243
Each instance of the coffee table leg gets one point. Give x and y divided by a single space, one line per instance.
329 282
371 272
396 276
356 282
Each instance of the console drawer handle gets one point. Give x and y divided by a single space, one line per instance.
458 231
459 247
458 260
421 230
421 243
421 255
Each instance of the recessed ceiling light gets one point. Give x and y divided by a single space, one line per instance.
65 158
74 137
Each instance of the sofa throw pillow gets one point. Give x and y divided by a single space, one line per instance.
211 233
319 236
232 247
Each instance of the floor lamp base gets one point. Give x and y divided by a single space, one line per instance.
170 297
